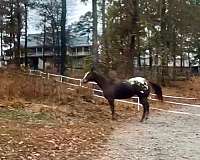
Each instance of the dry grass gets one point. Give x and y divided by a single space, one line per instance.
189 88
17 85
42 119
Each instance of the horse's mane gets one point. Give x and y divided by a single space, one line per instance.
107 78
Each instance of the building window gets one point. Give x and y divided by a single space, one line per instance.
73 50
39 49
32 50
86 49
79 49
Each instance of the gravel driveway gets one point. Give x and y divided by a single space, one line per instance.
165 136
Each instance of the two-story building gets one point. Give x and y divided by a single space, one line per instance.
77 49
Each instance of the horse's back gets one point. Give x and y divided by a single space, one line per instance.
123 90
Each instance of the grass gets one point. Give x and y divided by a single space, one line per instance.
21 115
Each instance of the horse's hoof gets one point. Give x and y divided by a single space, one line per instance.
114 118
141 120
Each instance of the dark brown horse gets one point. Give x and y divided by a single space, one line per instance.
124 89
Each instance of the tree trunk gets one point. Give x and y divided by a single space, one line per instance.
138 48
53 38
163 42
26 36
181 52
63 37
94 36
131 56
58 41
103 16
174 52
11 24
54 43
150 58
1 37
58 50
137 31
105 38
17 55
44 44
132 50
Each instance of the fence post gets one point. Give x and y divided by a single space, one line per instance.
40 74
47 75
61 79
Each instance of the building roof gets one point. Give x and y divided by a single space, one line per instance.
79 41
36 40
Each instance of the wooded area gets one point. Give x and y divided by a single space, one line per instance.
161 31
45 115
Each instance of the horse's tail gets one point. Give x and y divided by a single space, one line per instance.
157 89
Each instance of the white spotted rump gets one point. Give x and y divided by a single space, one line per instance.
140 81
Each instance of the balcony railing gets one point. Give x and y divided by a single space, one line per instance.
77 54
37 54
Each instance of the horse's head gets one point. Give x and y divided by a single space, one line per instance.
89 76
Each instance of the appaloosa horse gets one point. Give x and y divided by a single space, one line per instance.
124 89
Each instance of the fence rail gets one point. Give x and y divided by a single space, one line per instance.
65 79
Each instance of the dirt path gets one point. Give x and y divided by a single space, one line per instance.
165 136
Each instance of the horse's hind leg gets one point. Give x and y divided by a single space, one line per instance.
147 113
112 107
145 105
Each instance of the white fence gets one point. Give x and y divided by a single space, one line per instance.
63 79
60 78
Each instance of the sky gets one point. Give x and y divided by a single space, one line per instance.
75 8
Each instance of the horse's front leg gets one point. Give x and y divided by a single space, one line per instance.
112 108
145 105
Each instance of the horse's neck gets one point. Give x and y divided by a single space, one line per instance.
101 81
